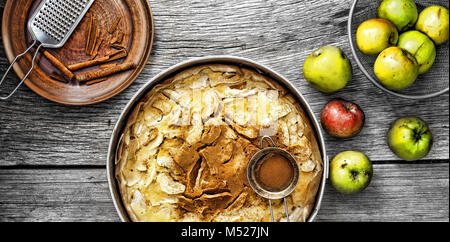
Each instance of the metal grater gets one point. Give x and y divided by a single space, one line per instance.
51 25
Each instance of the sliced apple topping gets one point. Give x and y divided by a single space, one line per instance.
168 185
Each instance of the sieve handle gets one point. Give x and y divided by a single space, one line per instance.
12 64
285 209
271 210
267 137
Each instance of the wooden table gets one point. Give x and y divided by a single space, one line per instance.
52 157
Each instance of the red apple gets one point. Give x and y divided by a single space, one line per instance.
342 119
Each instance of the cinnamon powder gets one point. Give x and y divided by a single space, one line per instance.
275 172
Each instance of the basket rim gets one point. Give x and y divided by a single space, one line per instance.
368 75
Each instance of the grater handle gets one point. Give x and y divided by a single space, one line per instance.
12 64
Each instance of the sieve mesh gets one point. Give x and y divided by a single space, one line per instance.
432 83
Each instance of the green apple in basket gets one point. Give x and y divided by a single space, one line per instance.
402 13
420 46
434 21
375 35
327 69
396 68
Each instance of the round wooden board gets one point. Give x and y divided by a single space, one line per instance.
136 23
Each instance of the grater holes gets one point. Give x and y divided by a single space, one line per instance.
56 17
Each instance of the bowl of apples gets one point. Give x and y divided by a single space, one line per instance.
402 46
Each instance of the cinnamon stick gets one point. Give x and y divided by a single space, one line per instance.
113 27
94 62
88 34
118 46
59 65
110 56
58 78
93 35
96 74
120 37
97 46
113 40
118 55
104 66
117 39
114 52
96 35
96 81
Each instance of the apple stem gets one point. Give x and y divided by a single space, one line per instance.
354 175
416 135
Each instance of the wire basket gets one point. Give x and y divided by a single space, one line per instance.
430 84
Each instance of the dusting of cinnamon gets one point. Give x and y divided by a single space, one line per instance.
274 172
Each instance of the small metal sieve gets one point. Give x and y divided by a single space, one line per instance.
255 163
430 84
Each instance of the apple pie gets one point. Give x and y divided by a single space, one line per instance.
184 150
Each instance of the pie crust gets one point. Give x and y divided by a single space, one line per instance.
184 151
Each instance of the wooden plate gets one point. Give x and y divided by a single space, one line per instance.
136 23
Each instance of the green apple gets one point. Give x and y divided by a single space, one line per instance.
327 69
433 21
375 35
410 138
420 46
350 172
396 68
402 13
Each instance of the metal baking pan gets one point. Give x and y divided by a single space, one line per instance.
239 61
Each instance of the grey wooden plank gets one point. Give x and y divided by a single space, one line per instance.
279 34
55 195
398 192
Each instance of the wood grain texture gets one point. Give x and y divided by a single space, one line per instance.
279 34
55 195
398 192
405 192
